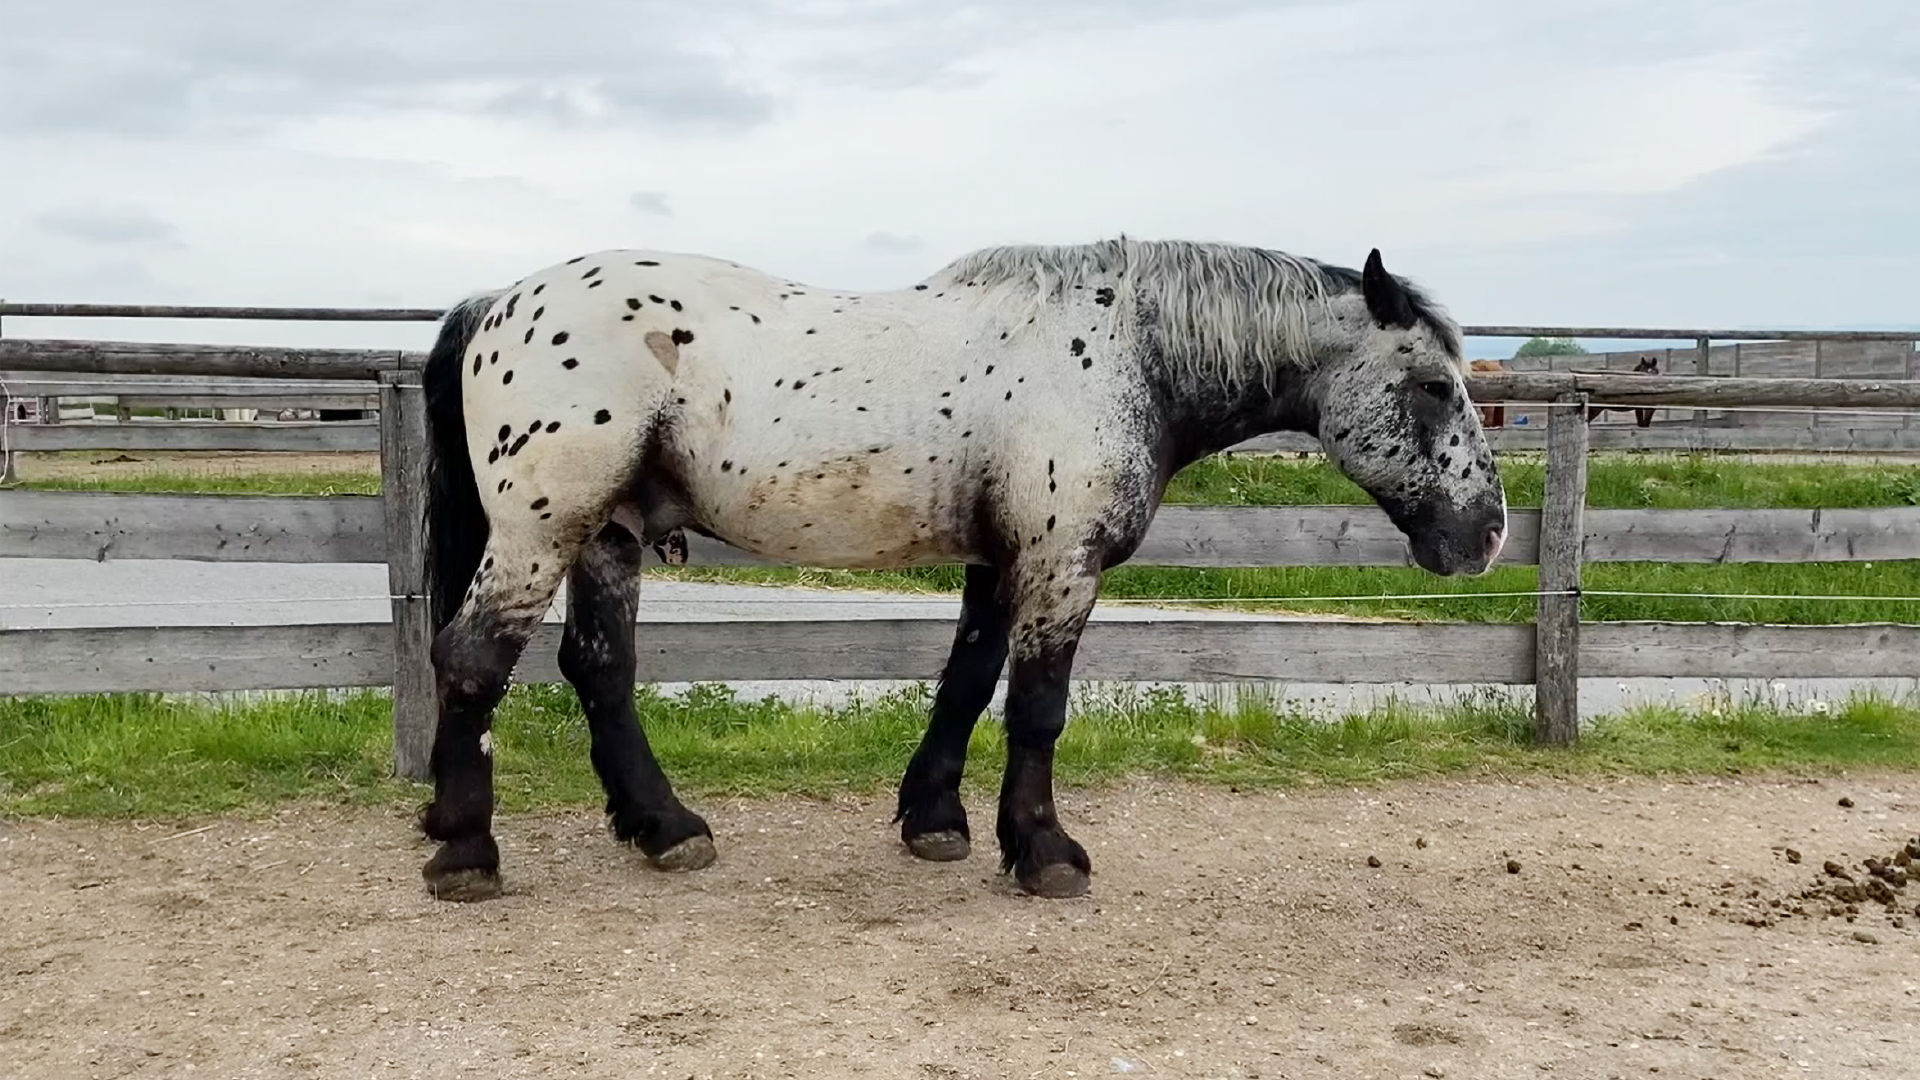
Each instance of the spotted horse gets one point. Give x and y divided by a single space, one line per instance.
1020 412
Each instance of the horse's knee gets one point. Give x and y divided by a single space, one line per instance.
472 670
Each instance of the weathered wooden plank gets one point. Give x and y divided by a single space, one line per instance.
1766 535
1562 540
1748 650
90 660
1699 391
74 384
1795 434
1614 389
1629 333
291 436
151 358
209 528
189 659
428 314
403 486
369 401
216 658
1702 361
348 528
207 311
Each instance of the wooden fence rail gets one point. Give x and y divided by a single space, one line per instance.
1623 388
307 437
1551 654
184 659
351 528
427 314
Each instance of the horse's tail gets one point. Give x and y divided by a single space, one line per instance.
456 520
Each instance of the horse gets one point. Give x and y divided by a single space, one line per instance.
1019 411
1495 415
1648 365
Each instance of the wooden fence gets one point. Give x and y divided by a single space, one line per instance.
1819 354
1552 653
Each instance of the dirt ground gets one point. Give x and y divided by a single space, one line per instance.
1227 935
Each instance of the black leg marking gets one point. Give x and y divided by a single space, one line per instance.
933 823
596 656
473 657
1044 859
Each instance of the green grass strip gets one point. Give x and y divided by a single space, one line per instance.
114 756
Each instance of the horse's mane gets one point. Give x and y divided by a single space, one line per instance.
1220 308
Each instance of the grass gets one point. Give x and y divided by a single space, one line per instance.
117 756
1620 480
1614 480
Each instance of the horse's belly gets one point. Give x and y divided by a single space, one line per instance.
843 514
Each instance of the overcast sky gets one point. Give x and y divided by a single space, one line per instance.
1733 163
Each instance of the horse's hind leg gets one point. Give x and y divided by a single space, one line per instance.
1049 614
473 658
596 656
933 823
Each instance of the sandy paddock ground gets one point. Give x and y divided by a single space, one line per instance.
1227 935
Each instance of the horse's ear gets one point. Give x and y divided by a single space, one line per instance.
1386 297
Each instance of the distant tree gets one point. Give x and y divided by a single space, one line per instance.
1549 346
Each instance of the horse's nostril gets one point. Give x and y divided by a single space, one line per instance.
1496 539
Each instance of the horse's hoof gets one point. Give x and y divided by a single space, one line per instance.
1056 881
464 886
693 853
947 845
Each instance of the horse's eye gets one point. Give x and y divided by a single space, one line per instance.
1439 388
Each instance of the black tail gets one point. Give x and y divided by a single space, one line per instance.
456 522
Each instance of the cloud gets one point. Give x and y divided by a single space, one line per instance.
114 225
650 202
124 66
893 243
1731 161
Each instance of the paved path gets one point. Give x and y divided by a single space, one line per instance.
67 593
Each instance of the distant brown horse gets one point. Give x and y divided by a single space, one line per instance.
1491 415
1641 417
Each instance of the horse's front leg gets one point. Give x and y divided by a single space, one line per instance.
1050 611
933 823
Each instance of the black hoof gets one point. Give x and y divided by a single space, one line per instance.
947 845
464 870
464 886
1049 863
676 840
1055 881
693 853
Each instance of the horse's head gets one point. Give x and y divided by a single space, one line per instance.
1648 365
1394 417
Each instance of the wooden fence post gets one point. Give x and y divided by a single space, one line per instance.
1702 354
1562 548
403 491
7 406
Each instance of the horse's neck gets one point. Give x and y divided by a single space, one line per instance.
1205 415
